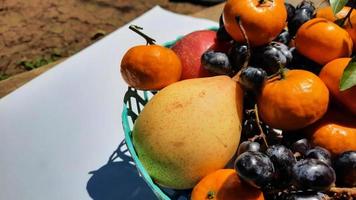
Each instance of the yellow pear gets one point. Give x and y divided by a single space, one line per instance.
189 129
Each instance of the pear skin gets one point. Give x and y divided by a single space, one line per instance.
189 129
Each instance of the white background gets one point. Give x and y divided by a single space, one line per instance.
67 122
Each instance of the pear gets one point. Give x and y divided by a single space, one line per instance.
189 129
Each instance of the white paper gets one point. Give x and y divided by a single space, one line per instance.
67 122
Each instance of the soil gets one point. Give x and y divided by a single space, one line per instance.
36 32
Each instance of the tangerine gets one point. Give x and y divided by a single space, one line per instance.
350 27
327 13
331 74
150 67
293 102
322 41
336 132
262 20
224 184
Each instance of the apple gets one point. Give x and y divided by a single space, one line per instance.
190 49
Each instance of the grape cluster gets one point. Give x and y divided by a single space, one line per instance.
302 171
289 167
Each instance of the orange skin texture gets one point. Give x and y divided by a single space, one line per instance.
150 67
294 102
327 13
351 28
331 74
262 22
322 41
336 132
224 184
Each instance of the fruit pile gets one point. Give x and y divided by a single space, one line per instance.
262 108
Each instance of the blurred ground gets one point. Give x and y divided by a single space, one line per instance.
36 32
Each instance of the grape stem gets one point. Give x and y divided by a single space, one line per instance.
347 17
262 134
280 73
243 31
349 191
137 29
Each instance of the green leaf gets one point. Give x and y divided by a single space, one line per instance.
337 5
348 78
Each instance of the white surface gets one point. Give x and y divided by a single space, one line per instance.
67 122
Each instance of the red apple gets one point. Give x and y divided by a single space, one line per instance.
190 49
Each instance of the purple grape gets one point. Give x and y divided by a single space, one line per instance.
313 174
255 168
345 167
319 153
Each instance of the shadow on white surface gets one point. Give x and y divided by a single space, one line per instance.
118 179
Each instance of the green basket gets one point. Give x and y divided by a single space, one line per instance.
134 101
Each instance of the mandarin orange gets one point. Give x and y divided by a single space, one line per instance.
322 41
262 20
224 184
336 132
331 74
293 102
150 67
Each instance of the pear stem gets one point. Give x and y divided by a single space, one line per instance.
137 29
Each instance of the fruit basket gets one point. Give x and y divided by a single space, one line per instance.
134 101
269 164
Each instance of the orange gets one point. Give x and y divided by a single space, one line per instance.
262 21
336 132
351 28
294 102
322 41
327 13
224 184
150 67
331 74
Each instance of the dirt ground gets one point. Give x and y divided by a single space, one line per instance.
36 32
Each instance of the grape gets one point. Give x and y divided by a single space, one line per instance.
306 5
255 168
290 11
319 153
248 146
222 34
300 17
345 167
283 161
216 62
301 146
250 128
252 78
272 56
238 55
283 37
313 174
